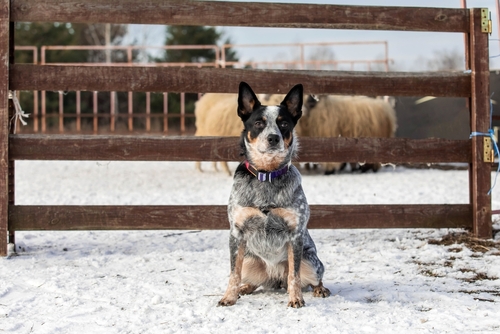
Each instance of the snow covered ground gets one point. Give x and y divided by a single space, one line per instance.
382 281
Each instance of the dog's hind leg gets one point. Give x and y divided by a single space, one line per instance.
311 272
310 277
253 275
237 252
312 268
320 291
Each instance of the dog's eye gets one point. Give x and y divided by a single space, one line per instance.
259 124
283 125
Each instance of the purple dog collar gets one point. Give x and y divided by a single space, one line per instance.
266 176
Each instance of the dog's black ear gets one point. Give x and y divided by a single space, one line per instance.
247 101
293 101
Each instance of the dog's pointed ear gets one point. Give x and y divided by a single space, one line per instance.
247 101
293 101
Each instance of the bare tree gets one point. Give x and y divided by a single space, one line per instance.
322 58
446 60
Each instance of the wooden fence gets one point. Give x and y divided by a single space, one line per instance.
473 84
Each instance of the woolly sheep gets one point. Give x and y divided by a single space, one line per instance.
323 116
348 116
216 116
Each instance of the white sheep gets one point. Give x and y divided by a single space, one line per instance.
323 116
348 116
216 115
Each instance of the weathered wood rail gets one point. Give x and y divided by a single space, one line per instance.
220 80
161 148
473 84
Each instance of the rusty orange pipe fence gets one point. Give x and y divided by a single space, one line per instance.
302 63
219 61
130 100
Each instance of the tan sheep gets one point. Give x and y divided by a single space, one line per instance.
323 116
216 115
348 116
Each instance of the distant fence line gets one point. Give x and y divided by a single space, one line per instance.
94 118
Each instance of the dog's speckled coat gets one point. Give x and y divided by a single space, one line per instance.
269 242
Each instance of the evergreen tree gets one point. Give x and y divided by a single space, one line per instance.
39 34
192 35
67 34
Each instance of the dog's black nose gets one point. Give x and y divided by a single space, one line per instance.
273 140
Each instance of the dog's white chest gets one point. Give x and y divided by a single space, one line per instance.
269 246
265 232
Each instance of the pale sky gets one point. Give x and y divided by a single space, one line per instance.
408 50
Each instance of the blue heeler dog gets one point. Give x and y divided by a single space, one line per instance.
269 243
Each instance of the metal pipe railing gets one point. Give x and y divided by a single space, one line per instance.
219 61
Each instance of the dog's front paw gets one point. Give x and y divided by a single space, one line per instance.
321 291
296 303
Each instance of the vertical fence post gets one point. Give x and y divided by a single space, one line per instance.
165 113
78 111
148 112
480 171
43 95
61 112
130 112
112 107
183 113
12 167
4 123
95 107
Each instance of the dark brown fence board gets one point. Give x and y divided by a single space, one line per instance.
12 166
163 148
214 217
219 13
385 150
391 216
480 172
226 80
4 124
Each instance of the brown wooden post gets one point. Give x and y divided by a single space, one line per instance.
480 122
43 94
112 111
165 113
12 170
4 123
466 41
148 111
130 112
183 113
61 112
95 109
